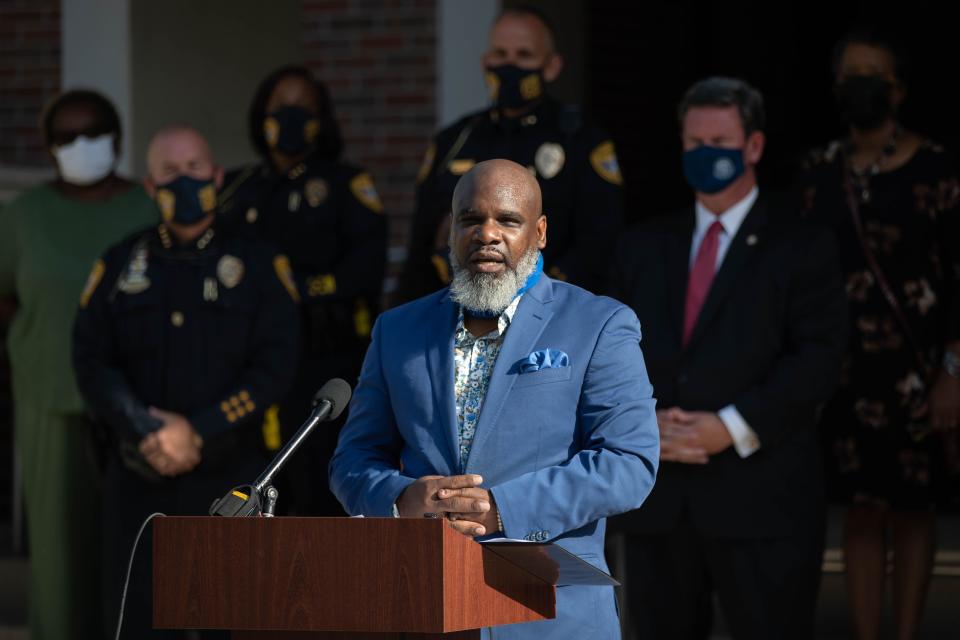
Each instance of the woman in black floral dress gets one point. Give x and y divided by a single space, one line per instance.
891 430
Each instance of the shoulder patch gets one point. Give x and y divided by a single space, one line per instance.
362 187
427 164
460 166
604 161
93 281
281 264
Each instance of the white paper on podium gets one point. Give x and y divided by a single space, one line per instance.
550 562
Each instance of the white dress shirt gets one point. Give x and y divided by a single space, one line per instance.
745 439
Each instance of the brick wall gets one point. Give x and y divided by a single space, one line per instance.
29 76
378 58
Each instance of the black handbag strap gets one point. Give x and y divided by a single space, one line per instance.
854 206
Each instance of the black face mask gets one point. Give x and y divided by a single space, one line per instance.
186 200
291 130
514 88
864 101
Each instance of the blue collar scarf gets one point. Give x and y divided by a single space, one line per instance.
532 279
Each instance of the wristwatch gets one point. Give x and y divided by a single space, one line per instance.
951 364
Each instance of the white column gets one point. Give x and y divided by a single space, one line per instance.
95 54
463 29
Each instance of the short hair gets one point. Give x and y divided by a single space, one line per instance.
329 143
177 127
875 37
99 102
529 11
719 91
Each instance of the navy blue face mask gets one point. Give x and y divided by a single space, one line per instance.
186 200
512 87
712 169
291 130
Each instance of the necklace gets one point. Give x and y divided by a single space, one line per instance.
861 177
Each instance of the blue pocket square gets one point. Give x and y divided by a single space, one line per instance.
544 359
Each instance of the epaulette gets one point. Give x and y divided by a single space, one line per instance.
461 140
229 189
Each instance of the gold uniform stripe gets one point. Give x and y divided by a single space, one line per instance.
271 428
281 264
93 281
441 267
427 164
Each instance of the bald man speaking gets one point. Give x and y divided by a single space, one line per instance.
511 403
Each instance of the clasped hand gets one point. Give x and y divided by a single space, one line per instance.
469 509
691 437
174 448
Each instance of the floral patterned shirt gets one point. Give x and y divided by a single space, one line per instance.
473 361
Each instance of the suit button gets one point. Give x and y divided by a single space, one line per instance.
682 378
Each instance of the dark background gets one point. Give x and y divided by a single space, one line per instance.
641 57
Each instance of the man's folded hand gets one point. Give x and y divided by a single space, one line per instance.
469 508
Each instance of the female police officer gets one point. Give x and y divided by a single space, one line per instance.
326 216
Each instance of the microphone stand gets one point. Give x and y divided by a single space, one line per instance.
260 498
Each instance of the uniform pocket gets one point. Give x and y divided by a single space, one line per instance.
231 320
139 323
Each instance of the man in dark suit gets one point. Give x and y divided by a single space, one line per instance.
742 310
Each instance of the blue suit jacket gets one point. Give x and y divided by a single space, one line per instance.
560 449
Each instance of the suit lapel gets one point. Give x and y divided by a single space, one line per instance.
528 323
678 271
439 348
742 248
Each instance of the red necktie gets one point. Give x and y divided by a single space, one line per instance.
701 276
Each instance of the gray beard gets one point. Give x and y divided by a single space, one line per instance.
490 292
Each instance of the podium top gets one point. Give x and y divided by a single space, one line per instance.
336 574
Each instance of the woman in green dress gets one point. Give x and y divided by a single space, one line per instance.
49 238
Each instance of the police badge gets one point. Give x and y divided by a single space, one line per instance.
549 159
316 190
230 271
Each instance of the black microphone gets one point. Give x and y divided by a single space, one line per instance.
246 500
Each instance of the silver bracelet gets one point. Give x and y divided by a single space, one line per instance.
951 363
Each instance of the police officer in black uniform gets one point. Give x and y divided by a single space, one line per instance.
185 334
573 160
327 216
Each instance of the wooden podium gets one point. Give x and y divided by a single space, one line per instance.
299 578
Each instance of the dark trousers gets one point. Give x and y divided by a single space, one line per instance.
303 483
767 588
128 500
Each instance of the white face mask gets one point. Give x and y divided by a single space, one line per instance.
86 160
